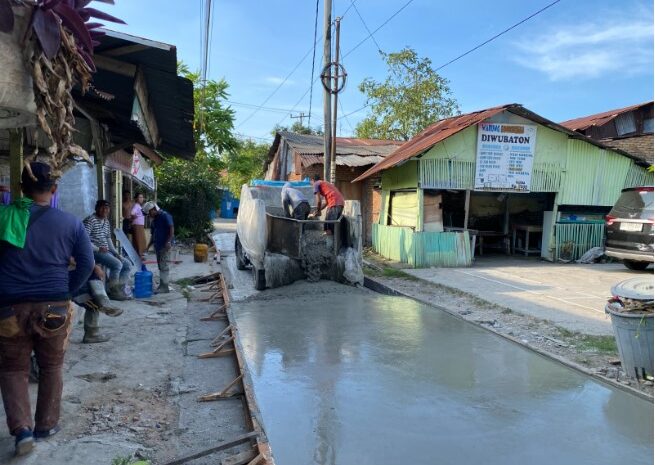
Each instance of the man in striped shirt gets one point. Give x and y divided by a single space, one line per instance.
99 230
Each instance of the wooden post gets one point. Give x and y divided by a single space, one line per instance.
327 98
467 205
508 249
420 198
15 161
99 157
333 148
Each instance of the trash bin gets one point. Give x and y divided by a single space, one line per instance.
631 311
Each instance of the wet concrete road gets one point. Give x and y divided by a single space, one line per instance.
344 376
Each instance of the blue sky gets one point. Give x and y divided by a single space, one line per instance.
578 57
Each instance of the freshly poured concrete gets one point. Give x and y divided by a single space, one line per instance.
344 376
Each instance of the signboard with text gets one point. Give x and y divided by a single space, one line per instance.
504 156
142 170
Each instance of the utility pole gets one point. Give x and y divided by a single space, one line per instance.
301 116
333 153
327 98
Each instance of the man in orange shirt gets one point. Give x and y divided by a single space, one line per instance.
333 201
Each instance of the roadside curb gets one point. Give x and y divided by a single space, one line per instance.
382 288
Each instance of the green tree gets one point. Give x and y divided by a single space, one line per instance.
244 163
412 97
190 189
298 128
213 121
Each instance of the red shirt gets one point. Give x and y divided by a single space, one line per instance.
332 195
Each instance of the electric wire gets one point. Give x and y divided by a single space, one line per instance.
302 60
359 44
482 44
345 116
366 27
499 34
205 58
210 40
253 106
343 56
311 91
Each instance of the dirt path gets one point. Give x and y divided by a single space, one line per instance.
136 396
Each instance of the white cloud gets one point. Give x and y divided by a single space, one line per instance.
276 80
589 50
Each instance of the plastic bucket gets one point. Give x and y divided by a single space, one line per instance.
200 253
634 338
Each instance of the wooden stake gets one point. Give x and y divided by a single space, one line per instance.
216 315
223 333
256 460
217 351
15 162
223 394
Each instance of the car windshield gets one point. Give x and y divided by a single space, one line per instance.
634 204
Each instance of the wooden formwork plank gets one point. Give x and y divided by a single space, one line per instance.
217 448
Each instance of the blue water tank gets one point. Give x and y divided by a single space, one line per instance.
229 205
142 283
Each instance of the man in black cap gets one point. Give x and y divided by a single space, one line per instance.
35 312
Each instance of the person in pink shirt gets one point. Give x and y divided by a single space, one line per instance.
138 225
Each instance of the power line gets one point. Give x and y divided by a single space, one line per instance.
249 117
212 21
311 91
378 28
276 89
346 115
527 18
352 4
201 31
205 58
499 34
246 136
366 27
252 106
352 129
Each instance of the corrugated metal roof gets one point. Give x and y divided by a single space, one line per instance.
599 119
432 135
342 160
445 128
310 144
371 150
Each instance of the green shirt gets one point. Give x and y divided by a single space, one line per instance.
13 221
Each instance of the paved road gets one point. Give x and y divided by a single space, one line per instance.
346 376
572 296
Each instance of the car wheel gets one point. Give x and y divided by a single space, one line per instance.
238 252
635 265
259 278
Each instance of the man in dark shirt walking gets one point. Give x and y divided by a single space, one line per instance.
35 312
162 238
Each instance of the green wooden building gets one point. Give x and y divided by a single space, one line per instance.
503 178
